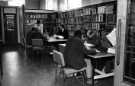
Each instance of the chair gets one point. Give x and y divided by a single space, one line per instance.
37 43
68 72
37 46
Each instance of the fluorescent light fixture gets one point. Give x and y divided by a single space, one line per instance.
72 4
51 4
16 2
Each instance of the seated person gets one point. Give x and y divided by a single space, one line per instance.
75 53
34 34
99 40
62 31
101 43
39 26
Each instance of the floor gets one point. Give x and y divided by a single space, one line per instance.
26 71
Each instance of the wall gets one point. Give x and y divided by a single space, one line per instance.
90 2
3 3
63 5
32 4
49 4
42 4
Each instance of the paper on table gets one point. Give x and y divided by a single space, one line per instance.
97 50
59 36
63 45
88 44
112 37
111 50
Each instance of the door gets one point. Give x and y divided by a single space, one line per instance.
125 56
10 25
0 25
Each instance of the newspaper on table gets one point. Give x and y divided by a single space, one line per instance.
112 38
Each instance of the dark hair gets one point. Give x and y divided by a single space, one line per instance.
62 26
34 28
38 21
78 33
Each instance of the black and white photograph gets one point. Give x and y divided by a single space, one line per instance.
67 43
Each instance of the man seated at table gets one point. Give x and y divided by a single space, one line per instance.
100 42
34 34
75 53
98 39
61 30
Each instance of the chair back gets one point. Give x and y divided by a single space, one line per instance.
58 58
37 42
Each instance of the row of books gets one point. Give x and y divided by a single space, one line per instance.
36 16
40 16
87 26
131 35
100 18
107 9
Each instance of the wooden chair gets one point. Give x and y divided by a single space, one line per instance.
37 46
37 43
68 72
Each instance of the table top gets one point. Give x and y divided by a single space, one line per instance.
56 40
101 55
62 45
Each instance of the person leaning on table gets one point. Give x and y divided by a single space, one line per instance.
75 53
61 30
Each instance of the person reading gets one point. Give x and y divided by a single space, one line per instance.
75 53
39 26
35 34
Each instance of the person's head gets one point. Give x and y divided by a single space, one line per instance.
78 33
62 26
91 33
34 29
38 22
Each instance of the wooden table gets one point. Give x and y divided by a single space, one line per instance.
53 40
62 47
98 57
95 58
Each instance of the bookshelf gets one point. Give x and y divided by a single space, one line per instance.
48 19
96 17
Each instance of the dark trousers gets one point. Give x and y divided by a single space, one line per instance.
1 68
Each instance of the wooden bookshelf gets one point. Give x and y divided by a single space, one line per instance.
48 19
90 17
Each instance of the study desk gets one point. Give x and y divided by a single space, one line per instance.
96 58
62 47
100 73
54 40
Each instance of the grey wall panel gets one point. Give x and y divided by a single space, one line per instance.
32 4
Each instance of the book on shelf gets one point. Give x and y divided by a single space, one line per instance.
109 9
101 9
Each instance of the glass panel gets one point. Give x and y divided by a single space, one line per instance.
129 73
0 26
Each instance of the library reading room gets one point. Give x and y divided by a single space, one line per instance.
67 43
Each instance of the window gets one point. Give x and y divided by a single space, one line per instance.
72 4
16 2
51 4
